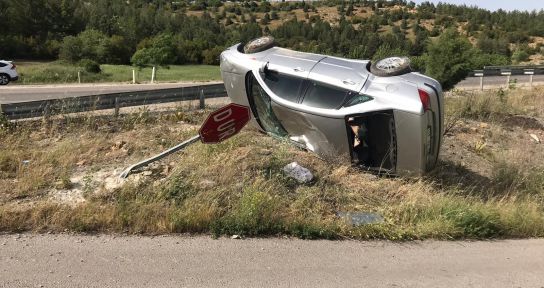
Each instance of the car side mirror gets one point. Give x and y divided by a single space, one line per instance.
264 68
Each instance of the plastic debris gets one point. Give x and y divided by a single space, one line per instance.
537 140
297 172
361 218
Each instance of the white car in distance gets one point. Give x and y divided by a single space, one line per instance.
8 72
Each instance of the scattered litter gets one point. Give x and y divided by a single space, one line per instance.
361 218
235 237
26 162
537 140
297 172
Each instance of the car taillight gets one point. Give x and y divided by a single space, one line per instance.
425 99
13 66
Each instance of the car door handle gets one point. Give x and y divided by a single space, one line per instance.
348 82
298 69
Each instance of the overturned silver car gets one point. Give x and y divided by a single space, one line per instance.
379 116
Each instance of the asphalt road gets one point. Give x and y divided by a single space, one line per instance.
24 93
108 261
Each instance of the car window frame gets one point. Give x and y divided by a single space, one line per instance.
309 82
301 91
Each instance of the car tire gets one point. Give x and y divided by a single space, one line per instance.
392 66
259 44
4 79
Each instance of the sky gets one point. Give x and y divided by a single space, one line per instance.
493 5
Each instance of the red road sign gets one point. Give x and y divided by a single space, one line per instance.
224 123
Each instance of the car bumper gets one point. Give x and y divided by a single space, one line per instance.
14 78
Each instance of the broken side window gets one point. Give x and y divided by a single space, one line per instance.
261 106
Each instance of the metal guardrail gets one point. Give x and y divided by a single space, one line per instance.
508 70
41 108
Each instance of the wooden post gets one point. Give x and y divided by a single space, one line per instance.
133 76
79 77
153 75
202 101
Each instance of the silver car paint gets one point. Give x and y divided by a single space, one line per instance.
324 131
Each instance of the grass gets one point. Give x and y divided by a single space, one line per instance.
238 187
60 72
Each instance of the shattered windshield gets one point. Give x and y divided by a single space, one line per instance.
261 107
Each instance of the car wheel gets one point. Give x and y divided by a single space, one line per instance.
391 66
259 44
4 79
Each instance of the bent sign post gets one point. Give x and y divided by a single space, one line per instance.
222 124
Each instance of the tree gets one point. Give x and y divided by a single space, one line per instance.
266 19
386 50
71 49
520 56
211 56
161 53
448 58
349 11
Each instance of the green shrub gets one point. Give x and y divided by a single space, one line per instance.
90 66
520 56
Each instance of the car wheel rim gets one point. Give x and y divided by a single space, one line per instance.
3 79
391 63
260 41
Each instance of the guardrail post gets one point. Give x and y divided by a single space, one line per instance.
46 110
116 112
153 75
46 113
202 101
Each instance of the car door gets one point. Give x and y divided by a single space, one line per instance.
342 73
294 63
